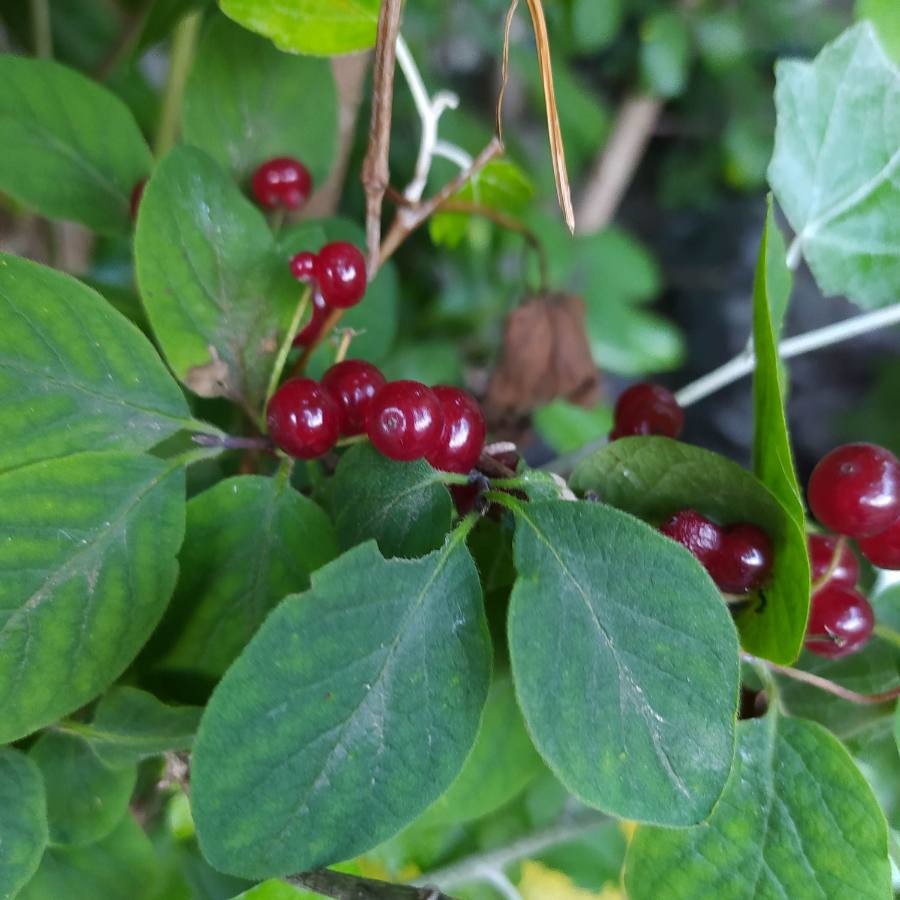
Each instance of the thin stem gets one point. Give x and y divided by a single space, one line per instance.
230 442
886 633
41 29
344 345
353 439
503 885
287 343
180 59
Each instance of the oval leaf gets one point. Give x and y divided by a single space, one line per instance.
246 102
23 820
351 710
74 374
84 172
654 477
797 820
86 569
625 661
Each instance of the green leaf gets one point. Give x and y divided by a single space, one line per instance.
566 427
665 53
375 319
883 15
796 820
122 866
595 23
23 820
501 763
86 799
404 506
250 541
352 709
71 149
86 569
317 27
74 374
836 164
130 725
654 477
625 662
218 294
246 102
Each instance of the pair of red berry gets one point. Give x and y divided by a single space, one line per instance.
738 557
405 420
645 409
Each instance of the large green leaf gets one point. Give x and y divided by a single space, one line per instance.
122 866
23 820
625 661
87 566
130 725
403 506
246 102
836 166
796 820
352 709
250 541
654 477
74 374
317 27
86 799
218 295
71 149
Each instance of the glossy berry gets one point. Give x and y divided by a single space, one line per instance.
310 331
883 549
826 557
303 266
282 182
304 421
744 559
647 409
462 439
840 621
137 192
341 274
855 490
405 420
695 532
353 383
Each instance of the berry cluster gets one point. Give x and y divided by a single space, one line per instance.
404 420
281 183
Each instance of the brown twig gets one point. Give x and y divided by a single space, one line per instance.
340 886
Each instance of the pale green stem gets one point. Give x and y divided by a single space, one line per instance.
180 59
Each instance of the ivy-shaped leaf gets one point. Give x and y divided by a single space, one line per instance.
71 149
654 477
23 820
836 166
625 662
796 820
86 569
217 293
247 102
74 374
351 710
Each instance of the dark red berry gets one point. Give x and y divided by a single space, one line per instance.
695 532
647 409
840 621
303 418
341 274
353 383
829 555
883 549
282 182
303 266
137 192
855 490
310 331
744 559
405 420
462 439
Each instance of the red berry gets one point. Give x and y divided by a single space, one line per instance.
647 409
310 331
304 421
405 420
695 532
744 560
462 439
883 549
353 383
303 266
341 274
840 621
136 193
282 182
855 490
825 555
